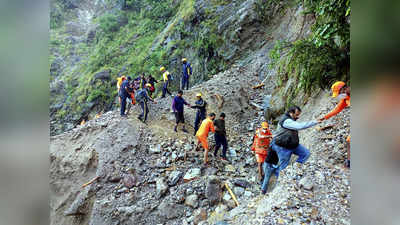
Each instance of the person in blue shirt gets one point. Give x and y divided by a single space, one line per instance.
143 97
186 73
124 93
177 106
201 113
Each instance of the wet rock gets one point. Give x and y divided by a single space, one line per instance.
213 191
161 187
192 174
174 177
192 201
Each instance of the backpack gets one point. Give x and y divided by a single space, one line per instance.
140 95
287 138
170 78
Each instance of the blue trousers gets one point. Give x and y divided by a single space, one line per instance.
269 169
199 117
123 104
145 110
185 82
220 140
285 155
165 89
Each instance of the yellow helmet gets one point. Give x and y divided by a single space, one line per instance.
162 68
148 85
336 88
184 59
198 95
264 125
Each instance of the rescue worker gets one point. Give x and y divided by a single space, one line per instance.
131 97
166 79
119 83
177 106
202 134
152 81
342 92
186 73
143 97
220 136
124 95
201 113
261 141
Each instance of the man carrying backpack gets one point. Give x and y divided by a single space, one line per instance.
270 167
186 73
201 113
286 140
142 97
124 93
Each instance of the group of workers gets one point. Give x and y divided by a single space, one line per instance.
272 152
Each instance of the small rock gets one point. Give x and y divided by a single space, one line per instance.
306 183
192 200
227 197
241 183
239 191
221 209
129 181
230 168
192 174
199 215
161 187
155 149
174 177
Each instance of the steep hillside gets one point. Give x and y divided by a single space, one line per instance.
296 47
94 42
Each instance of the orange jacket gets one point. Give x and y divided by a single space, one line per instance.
340 106
206 126
261 141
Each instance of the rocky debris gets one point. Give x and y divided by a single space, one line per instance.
174 177
129 181
199 215
161 187
192 201
241 183
213 191
192 174
170 211
155 149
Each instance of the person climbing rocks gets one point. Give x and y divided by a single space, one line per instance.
286 140
260 147
152 81
201 113
270 166
202 134
220 137
177 106
166 78
124 93
186 73
119 83
142 81
142 97
342 92
131 97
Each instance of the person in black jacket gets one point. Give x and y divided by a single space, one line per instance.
220 136
270 166
201 113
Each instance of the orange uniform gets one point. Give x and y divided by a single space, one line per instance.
261 144
343 103
202 134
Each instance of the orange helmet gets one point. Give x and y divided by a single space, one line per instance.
264 125
336 88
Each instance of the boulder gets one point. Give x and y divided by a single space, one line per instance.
129 181
306 183
103 75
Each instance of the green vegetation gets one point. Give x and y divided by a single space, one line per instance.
321 58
